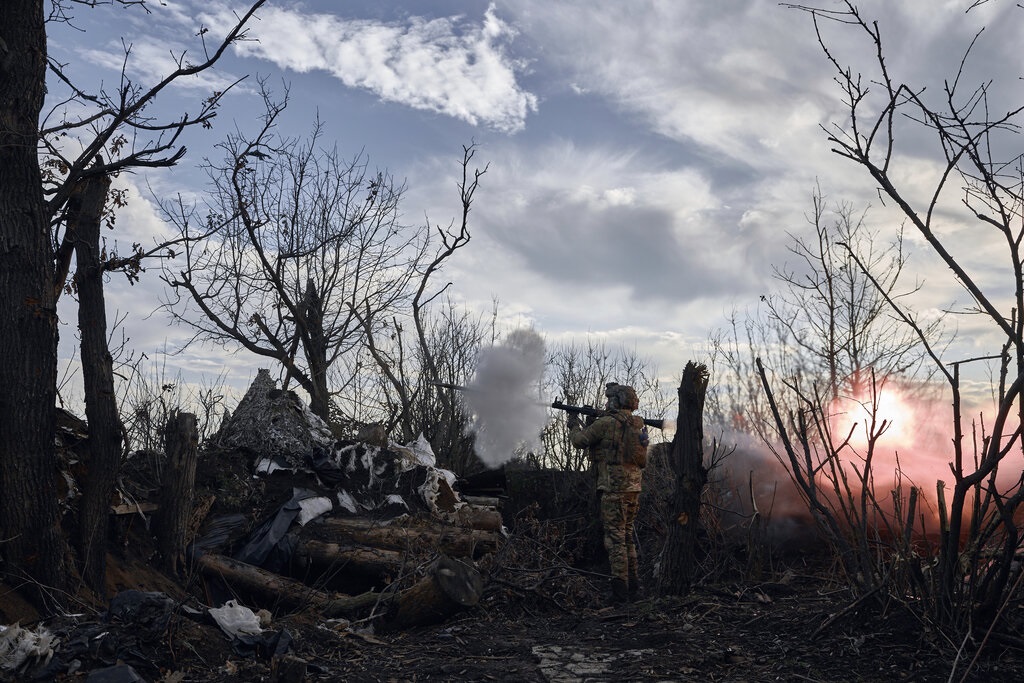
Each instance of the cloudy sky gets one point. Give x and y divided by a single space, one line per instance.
647 158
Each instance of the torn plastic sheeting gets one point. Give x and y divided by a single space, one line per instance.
147 612
19 645
437 492
271 465
416 453
347 502
268 545
311 508
218 532
321 460
367 466
393 504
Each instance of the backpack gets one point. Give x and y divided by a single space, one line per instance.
632 442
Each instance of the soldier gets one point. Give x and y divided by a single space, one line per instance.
617 443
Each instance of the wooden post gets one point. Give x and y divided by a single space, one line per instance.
178 484
687 457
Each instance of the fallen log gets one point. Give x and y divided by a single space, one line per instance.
374 561
449 586
451 540
483 501
274 589
478 517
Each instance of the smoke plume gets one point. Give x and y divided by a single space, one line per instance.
503 397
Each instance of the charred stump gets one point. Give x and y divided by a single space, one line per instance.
687 458
178 484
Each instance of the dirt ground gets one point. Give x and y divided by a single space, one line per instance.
543 616
551 626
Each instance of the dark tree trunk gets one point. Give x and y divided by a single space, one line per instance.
316 352
29 512
85 210
177 490
687 458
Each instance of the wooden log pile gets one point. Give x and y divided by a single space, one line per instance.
335 545
410 570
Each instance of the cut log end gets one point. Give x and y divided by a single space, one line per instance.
449 586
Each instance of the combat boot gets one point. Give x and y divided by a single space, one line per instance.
620 591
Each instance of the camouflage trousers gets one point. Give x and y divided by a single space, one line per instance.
618 511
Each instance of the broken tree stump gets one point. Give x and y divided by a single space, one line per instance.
178 483
449 586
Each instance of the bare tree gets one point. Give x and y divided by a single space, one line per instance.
977 167
41 171
827 342
306 244
441 347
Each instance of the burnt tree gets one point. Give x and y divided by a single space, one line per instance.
687 458
29 513
37 180
177 489
85 211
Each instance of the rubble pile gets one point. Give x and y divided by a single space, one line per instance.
288 521
273 423
343 524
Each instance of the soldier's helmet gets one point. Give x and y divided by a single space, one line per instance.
624 395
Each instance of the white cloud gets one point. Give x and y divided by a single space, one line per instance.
446 65
151 60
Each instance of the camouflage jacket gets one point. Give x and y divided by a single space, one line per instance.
602 441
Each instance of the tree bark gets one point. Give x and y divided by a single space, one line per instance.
447 539
479 517
687 457
274 590
450 585
85 210
29 512
316 352
372 561
177 490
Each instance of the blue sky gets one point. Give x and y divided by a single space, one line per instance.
647 158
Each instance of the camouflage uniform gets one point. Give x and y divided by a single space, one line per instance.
618 485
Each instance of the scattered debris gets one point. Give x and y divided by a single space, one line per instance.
21 647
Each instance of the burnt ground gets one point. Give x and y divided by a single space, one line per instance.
542 617
544 624
727 633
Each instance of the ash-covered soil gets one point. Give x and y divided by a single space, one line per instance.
543 616
554 626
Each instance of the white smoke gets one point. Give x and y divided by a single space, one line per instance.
507 412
